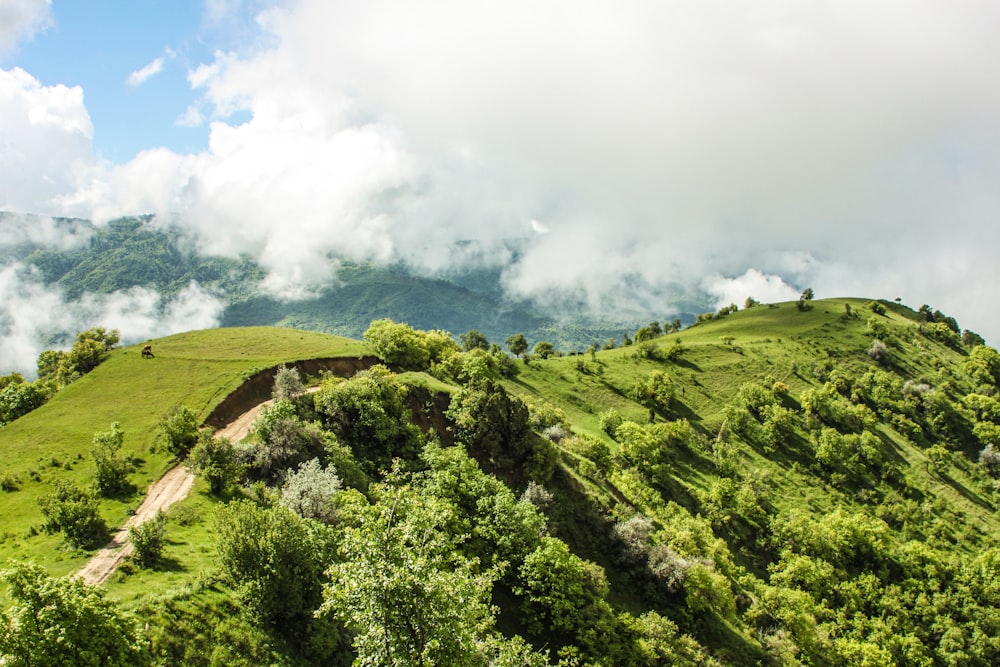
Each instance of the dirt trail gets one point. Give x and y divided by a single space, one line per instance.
169 489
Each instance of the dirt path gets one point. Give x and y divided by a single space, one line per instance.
169 489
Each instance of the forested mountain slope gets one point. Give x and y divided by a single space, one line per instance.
139 252
810 483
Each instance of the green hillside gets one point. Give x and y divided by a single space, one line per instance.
196 369
787 484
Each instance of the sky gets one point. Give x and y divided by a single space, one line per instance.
638 152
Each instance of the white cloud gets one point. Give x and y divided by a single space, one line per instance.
20 20
32 315
143 74
762 287
45 142
847 146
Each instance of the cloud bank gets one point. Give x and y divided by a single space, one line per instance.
34 318
636 152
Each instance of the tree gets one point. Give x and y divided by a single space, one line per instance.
111 477
488 419
750 303
179 430
276 560
543 349
215 460
310 492
403 587
473 340
74 512
398 344
369 414
147 539
287 384
655 391
517 344
805 299
91 348
55 622
18 398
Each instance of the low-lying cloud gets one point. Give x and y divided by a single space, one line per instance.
35 317
638 154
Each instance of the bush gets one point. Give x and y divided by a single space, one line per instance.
179 430
989 458
878 351
287 384
310 492
111 477
74 512
147 540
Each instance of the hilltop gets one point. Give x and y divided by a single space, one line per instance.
794 483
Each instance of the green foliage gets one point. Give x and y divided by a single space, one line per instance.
403 346
488 419
543 349
148 539
74 512
876 307
517 344
18 398
215 459
55 622
561 592
276 559
369 414
179 430
400 584
112 469
281 441
983 365
473 340
655 391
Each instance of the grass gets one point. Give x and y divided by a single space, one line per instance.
197 369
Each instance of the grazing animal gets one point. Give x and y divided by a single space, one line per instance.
147 351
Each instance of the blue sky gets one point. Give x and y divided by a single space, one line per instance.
643 153
97 45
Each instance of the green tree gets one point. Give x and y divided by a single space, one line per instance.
488 419
57 622
655 391
517 344
147 540
74 512
215 460
111 477
397 344
401 585
179 430
543 349
91 348
369 413
561 592
18 398
473 340
275 558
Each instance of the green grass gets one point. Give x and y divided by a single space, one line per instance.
197 369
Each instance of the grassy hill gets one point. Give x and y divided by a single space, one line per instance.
196 369
764 487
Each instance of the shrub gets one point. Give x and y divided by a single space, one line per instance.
310 492
287 383
989 458
111 477
179 430
147 540
878 351
74 512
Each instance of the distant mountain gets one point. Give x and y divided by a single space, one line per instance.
134 251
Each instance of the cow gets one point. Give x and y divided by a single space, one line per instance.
147 352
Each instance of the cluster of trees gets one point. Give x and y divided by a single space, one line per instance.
56 369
